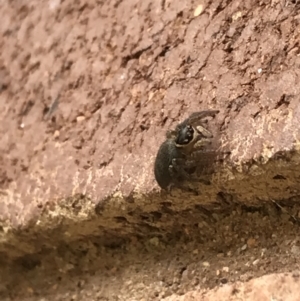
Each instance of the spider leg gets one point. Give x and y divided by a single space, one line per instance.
209 153
204 132
196 116
203 153
200 142
180 163
177 169
171 134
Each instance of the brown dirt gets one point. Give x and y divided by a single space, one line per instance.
87 91
221 249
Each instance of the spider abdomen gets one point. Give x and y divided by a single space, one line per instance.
165 155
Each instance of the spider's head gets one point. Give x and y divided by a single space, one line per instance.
185 136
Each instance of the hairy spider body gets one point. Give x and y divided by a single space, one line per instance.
163 166
181 143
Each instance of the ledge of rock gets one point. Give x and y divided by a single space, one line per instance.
88 90
85 106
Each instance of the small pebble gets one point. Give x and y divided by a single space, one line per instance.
244 247
255 262
263 251
154 241
80 118
56 134
198 11
236 16
225 269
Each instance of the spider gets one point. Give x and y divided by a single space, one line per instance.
189 138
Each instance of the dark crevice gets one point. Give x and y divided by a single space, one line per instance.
133 56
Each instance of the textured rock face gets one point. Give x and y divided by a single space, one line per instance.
274 287
88 94
88 90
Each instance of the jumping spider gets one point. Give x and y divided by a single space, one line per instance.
188 138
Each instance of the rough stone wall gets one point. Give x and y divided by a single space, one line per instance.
89 88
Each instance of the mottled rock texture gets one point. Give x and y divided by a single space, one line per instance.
88 90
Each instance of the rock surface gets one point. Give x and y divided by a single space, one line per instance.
88 90
273 287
